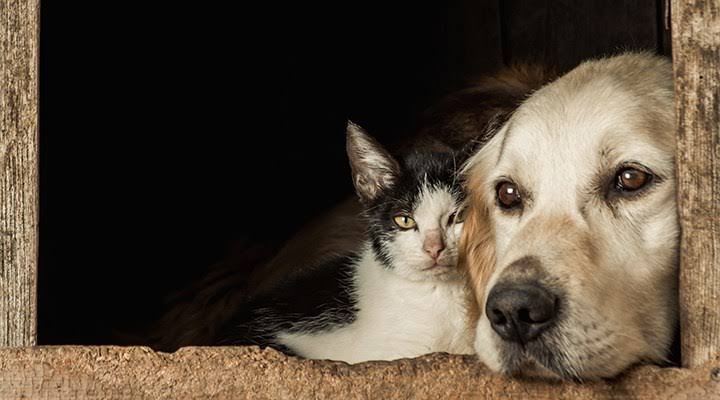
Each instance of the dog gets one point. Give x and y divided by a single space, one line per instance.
571 232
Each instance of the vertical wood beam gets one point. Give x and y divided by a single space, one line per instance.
696 61
19 34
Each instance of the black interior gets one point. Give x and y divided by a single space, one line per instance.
169 131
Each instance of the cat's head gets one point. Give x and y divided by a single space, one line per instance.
412 207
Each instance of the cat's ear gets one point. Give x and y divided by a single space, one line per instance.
373 168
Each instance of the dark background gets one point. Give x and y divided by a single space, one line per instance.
169 132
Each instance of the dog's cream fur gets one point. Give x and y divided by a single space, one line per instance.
613 260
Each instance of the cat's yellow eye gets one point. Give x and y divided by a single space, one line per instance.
404 222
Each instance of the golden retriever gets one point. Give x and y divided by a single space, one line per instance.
571 234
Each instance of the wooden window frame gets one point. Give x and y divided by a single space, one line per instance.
133 372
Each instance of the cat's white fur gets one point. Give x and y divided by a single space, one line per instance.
432 215
405 311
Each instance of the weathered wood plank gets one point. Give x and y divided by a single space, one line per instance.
561 33
696 60
248 372
19 27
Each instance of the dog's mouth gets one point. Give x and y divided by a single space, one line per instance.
537 359
559 354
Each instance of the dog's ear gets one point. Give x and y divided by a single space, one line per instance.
373 168
476 251
477 244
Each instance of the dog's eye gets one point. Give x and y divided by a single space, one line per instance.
631 179
508 195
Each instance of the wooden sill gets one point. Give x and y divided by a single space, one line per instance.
65 372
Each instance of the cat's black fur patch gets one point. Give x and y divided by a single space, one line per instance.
437 169
319 300
324 298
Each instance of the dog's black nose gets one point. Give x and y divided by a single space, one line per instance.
520 313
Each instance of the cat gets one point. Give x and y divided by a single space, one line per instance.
465 117
401 295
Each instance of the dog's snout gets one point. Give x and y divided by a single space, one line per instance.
520 313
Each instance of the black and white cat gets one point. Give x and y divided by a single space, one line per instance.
401 295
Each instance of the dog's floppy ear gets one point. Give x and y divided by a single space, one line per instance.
477 246
477 251
373 168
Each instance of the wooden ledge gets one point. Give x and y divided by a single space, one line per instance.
238 372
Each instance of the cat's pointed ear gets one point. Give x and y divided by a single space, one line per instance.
373 168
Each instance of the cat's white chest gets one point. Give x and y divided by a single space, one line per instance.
397 318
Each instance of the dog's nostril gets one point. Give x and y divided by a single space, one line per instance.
520 313
499 317
540 313
524 316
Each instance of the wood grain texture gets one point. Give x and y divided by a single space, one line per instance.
248 372
696 60
561 33
18 170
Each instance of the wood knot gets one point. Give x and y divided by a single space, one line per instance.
715 374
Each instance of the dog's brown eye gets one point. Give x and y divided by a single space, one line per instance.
508 195
632 179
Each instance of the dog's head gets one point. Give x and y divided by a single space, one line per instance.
571 234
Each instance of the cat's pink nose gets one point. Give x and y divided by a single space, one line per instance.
433 244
